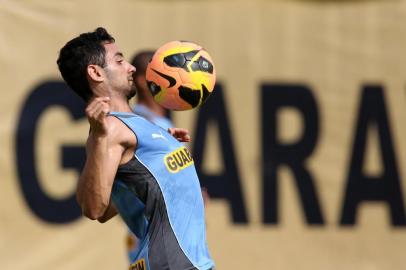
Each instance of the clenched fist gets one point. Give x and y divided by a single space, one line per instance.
96 113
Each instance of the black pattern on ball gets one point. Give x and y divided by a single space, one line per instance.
154 88
189 95
189 55
175 60
205 65
206 93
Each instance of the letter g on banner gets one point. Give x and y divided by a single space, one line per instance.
44 96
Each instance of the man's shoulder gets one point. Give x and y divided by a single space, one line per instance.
118 131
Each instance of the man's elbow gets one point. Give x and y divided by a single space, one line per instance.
90 213
92 209
94 212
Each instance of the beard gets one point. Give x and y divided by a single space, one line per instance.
132 92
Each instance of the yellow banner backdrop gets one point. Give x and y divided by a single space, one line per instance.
312 165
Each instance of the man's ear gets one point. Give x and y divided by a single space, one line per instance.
95 73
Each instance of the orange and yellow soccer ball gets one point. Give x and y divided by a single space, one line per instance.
181 75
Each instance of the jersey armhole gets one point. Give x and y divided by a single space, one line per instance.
135 134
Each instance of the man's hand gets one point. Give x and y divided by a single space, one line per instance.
96 113
181 134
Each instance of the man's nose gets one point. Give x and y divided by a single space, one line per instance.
132 68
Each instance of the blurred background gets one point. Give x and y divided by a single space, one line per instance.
302 145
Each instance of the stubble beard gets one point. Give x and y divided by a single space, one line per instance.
132 92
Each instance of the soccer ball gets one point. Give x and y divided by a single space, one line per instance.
181 75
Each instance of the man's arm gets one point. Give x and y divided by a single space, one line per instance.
104 153
96 180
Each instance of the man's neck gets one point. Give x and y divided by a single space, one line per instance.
118 104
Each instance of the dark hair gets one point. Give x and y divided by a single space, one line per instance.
77 54
140 61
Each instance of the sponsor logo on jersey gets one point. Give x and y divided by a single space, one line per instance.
138 265
158 136
178 160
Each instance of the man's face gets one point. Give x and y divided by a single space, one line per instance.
118 71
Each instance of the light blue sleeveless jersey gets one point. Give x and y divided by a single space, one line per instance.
159 197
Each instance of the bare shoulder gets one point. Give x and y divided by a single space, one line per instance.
120 133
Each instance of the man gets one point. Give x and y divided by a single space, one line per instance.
134 167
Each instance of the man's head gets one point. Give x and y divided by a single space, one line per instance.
93 59
140 62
